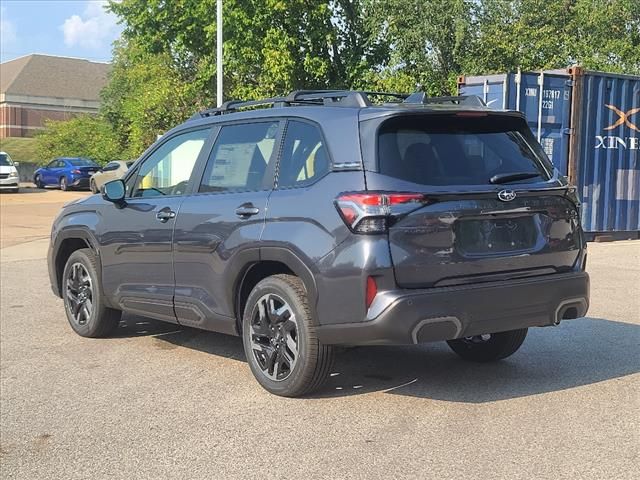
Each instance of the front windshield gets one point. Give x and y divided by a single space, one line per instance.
5 160
82 162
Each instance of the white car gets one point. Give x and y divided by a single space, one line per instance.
111 171
9 177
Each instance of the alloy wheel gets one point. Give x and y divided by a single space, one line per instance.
274 337
79 293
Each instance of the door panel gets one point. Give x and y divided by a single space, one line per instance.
209 234
137 267
223 222
137 239
51 172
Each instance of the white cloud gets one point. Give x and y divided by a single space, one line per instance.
8 34
92 29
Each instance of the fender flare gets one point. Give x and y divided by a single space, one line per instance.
75 232
297 266
250 257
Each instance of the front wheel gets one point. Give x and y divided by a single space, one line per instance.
84 304
92 186
64 186
38 181
280 340
489 347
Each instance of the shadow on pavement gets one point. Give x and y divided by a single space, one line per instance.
576 353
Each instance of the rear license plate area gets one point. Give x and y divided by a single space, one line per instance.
486 236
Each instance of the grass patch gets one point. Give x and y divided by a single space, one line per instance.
20 149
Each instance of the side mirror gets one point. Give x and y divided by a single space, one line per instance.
114 191
16 164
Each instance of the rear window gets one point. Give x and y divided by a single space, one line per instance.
82 162
456 150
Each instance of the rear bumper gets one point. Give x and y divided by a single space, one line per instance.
418 316
80 182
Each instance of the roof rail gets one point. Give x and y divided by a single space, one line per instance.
339 98
342 98
468 100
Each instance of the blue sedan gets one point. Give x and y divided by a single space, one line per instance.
66 173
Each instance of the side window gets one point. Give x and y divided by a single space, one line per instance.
240 158
168 169
111 166
304 157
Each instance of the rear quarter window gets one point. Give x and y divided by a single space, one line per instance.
457 150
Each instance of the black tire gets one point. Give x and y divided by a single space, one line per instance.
101 320
495 346
64 186
15 190
92 186
313 360
38 182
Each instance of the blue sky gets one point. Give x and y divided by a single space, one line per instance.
74 28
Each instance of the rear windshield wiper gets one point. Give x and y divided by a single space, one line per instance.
512 177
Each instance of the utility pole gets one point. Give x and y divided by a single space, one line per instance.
219 52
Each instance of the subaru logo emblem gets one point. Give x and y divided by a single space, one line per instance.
506 195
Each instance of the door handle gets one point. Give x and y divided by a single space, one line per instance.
247 210
165 215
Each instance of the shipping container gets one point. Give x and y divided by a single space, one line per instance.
589 125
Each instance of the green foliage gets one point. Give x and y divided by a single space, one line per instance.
430 40
607 35
82 136
433 41
542 34
270 46
145 97
21 149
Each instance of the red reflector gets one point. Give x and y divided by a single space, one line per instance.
372 290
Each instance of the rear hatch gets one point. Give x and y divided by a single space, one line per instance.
490 207
88 170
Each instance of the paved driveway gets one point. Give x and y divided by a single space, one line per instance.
156 401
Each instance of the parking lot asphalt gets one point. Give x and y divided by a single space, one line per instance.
158 401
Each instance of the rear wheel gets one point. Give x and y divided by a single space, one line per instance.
280 340
63 184
489 347
84 304
92 186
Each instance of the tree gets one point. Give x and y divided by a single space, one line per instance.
607 35
82 136
145 97
270 46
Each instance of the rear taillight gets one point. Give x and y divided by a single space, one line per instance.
77 172
374 212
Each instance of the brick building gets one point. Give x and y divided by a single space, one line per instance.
38 87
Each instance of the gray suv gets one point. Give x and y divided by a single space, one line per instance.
329 219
